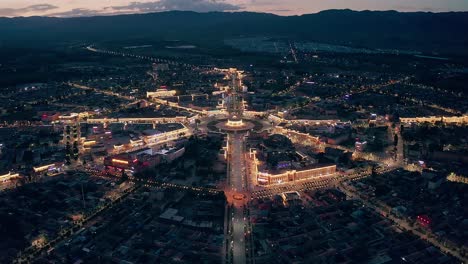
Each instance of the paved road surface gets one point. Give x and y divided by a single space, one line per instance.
237 184
237 164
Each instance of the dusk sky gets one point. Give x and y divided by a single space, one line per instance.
66 8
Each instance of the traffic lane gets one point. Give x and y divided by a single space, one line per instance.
238 220
238 241
237 168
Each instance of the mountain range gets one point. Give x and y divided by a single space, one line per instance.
442 33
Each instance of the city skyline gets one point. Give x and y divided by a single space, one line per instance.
76 8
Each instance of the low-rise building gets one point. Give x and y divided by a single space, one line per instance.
165 132
9 176
161 92
49 169
172 154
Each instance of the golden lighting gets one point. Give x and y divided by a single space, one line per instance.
91 142
45 167
9 176
120 161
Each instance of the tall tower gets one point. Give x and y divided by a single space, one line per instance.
234 101
71 139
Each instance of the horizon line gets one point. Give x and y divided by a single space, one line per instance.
233 12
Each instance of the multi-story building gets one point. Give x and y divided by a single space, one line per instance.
304 174
71 136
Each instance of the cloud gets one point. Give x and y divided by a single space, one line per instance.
154 6
181 5
279 10
77 12
408 8
9 12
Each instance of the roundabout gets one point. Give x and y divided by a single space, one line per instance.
228 125
222 125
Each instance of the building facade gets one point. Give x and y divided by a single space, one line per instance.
267 179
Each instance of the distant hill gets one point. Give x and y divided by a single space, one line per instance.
428 32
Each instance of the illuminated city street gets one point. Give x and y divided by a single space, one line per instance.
237 176
207 131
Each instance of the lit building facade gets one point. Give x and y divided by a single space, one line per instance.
157 136
137 120
51 169
127 163
267 179
234 102
9 176
72 138
162 92
433 119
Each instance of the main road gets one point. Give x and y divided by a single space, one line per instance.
237 188
236 162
